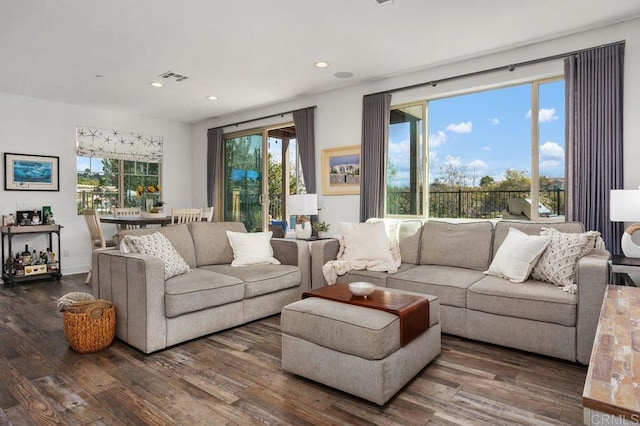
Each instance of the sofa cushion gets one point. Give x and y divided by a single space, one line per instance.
251 248
200 289
534 300
465 245
530 228
517 256
557 265
262 279
211 243
448 283
368 240
156 245
178 235
379 279
409 235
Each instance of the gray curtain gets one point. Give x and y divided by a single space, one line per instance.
594 91
214 166
375 136
305 137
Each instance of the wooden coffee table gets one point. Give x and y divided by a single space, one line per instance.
412 310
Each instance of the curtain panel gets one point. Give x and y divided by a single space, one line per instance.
214 165
305 137
593 96
116 144
376 110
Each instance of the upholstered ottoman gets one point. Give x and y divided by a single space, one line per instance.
355 349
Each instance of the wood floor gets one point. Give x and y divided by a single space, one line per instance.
234 377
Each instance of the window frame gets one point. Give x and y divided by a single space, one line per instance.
535 82
121 178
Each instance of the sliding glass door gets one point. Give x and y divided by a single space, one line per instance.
261 167
243 180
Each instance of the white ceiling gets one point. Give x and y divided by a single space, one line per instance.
252 53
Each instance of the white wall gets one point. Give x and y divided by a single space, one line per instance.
33 126
339 113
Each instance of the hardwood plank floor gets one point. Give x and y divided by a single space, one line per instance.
234 378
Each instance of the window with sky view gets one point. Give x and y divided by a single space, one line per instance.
478 153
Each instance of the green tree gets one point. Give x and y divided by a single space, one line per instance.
486 181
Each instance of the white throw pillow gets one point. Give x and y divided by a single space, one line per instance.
157 245
366 241
557 265
251 248
517 256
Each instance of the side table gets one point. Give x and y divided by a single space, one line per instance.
620 267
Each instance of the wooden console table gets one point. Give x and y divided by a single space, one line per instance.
412 310
612 387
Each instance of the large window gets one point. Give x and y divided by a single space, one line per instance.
489 154
104 183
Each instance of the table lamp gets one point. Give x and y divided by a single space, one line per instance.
625 207
301 205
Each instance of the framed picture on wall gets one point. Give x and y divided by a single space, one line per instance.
23 172
341 170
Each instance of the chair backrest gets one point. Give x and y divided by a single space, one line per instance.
207 213
185 215
92 220
126 211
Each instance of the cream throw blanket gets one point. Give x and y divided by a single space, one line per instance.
334 268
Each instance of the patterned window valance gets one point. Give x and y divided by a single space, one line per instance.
102 143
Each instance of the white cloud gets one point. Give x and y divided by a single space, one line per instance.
437 140
486 148
460 127
433 157
478 165
495 121
545 115
549 164
551 150
450 160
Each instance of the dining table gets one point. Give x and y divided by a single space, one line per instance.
140 221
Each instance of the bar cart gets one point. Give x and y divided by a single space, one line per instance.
50 270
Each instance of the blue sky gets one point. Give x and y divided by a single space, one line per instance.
488 132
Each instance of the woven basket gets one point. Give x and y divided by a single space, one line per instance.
90 326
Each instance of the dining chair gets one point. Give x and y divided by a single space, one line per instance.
98 241
126 211
185 215
207 213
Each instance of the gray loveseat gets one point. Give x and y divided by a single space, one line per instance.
447 260
152 314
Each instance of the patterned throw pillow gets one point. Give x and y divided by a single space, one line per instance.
557 265
157 245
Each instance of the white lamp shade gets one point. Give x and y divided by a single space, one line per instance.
302 204
624 205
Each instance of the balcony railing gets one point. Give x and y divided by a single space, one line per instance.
473 204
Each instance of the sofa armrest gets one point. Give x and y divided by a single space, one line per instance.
135 285
294 252
321 252
592 276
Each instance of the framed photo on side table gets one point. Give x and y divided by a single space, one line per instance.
23 172
341 170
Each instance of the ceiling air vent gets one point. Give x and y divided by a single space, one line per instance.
175 75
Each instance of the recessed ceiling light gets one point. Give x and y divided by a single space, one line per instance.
156 84
343 74
212 98
321 64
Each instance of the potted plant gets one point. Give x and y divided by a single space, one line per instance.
322 229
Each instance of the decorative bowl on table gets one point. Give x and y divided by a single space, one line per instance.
361 288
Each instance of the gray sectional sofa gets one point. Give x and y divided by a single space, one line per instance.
152 314
447 260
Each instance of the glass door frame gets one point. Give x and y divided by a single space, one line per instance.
264 196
